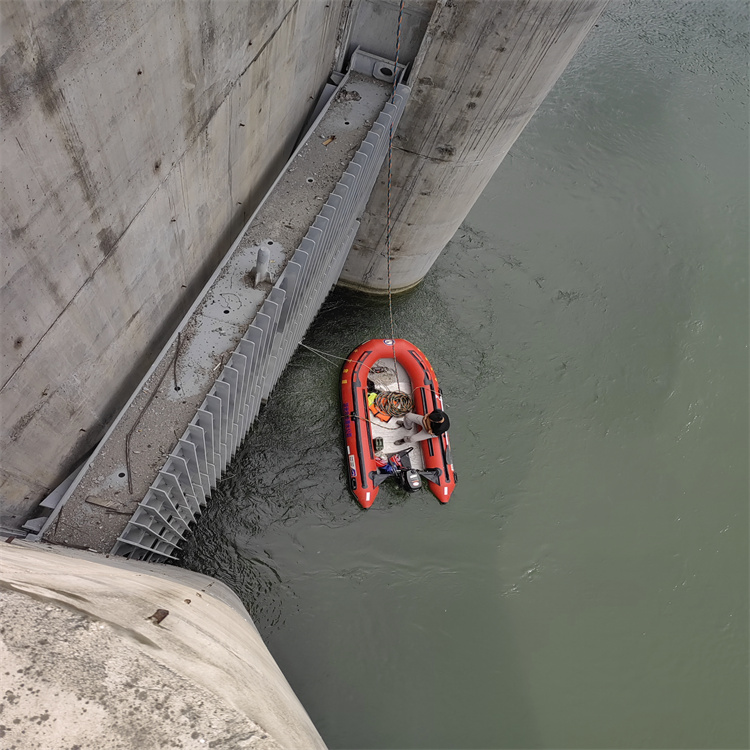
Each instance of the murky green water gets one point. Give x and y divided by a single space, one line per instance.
587 586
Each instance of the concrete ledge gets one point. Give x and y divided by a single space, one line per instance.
86 661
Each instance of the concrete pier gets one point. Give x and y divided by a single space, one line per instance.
108 653
483 69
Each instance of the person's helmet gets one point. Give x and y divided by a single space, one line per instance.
439 421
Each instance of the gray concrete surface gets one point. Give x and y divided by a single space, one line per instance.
137 138
482 71
84 664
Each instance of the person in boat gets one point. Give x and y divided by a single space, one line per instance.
433 424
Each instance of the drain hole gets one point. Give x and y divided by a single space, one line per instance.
386 71
270 242
346 122
177 387
226 312
310 180
121 474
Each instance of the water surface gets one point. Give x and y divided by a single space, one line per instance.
587 585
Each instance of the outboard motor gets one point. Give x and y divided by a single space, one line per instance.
408 477
410 480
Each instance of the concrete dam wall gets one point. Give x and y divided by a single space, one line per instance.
137 138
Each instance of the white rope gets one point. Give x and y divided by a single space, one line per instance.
389 223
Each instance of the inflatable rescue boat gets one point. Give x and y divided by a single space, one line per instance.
372 381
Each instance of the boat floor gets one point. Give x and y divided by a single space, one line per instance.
388 380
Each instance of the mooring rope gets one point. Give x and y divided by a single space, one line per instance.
398 48
401 399
324 355
389 223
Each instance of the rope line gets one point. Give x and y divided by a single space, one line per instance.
398 47
325 355
394 403
389 223
381 426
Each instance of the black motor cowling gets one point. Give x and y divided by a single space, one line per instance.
410 480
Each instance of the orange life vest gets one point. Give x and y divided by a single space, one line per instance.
383 416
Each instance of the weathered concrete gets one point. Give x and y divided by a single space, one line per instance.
137 138
84 663
482 71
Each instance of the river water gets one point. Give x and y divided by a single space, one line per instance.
587 585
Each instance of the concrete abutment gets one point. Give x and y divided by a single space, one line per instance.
118 653
483 69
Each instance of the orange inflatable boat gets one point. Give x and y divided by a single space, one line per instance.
371 375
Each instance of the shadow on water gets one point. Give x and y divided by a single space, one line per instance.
388 623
